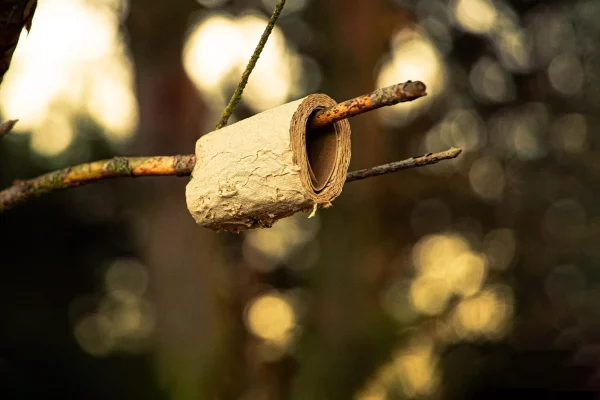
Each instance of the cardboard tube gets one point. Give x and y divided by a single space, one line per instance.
264 168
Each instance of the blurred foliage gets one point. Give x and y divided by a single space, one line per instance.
474 278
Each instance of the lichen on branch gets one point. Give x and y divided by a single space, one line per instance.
179 165
23 190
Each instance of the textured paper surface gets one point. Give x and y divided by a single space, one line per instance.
256 171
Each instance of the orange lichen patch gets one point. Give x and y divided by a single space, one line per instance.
164 165
153 166
104 169
387 96
84 171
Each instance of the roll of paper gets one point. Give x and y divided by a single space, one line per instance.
267 167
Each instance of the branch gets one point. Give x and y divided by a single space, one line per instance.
413 162
22 191
388 96
14 16
179 165
237 95
7 126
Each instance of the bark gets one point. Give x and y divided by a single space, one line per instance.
14 16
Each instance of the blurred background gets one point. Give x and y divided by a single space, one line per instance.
473 278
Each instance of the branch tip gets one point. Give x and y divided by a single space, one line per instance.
414 90
387 96
413 162
7 126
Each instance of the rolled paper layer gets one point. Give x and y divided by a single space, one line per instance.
267 167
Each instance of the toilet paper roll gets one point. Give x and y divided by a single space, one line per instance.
267 167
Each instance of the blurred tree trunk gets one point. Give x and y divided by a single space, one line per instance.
183 258
348 333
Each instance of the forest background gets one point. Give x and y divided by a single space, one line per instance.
450 281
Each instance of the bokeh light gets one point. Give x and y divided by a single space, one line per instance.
414 369
266 249
521 130
131 317
487 315
449 288
477 16
94 335
417 368
462 128
514 48
414 57
429 296
122 320
63 70
569 133
445 266
487 178
126 275
58 135
490 82
218 50
566 74
271 318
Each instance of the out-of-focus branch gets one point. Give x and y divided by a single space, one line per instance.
14 16
237 95
179 165
7 126
413 162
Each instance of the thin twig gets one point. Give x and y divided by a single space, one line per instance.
7 126
237 95
22 191
387 96
413 162
179 165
